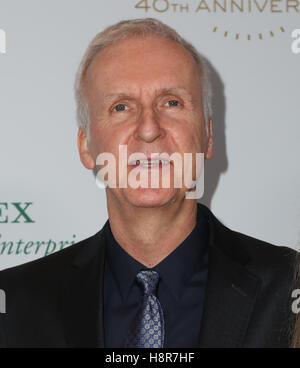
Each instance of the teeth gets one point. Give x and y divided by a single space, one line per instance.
149 162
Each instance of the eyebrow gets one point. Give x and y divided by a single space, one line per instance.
171 90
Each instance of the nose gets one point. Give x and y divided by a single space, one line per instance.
148 128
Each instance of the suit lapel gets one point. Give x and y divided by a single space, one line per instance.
82 295
230 292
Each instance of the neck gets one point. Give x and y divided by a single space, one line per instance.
151 234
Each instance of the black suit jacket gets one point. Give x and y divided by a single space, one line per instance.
57 301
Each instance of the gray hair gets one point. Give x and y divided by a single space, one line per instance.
131 28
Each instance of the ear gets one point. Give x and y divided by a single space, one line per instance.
210 146
84 153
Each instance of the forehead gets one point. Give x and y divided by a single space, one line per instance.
142 62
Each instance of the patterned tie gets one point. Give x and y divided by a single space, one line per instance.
147 330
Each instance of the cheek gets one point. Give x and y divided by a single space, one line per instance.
107 139
189 138
198 136
97 141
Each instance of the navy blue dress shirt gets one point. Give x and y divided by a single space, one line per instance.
181 289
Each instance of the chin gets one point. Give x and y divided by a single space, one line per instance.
149 197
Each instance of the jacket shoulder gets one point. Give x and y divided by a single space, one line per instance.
263 249
244 248
275 265
52 266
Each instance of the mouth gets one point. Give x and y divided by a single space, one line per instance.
148 163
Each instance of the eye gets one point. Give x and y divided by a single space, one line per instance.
120 107
172 103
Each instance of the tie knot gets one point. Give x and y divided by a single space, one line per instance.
149 280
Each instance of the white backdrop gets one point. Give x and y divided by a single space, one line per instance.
252 184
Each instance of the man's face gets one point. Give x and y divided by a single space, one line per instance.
144 93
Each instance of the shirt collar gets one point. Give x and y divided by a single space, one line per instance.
188 258
175 270
123 266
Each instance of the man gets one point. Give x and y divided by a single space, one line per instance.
163 271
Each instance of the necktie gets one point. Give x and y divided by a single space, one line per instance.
147 330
